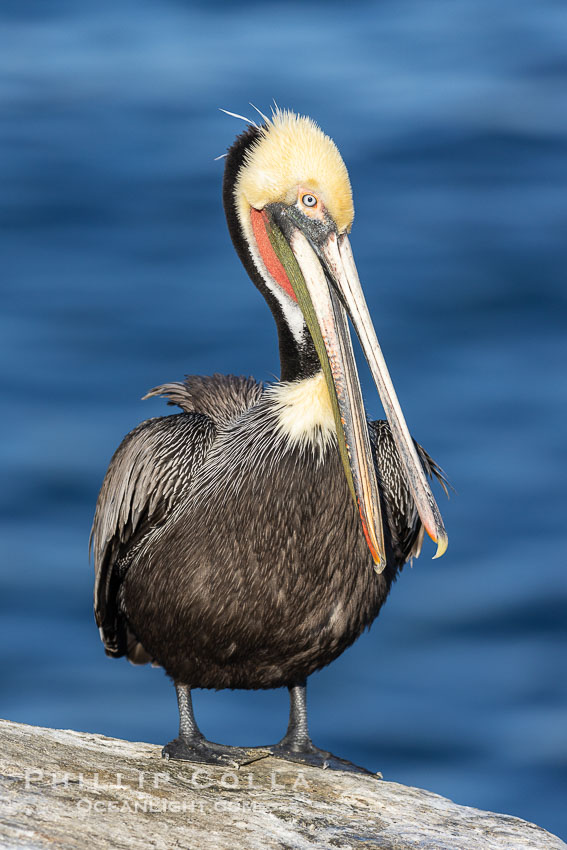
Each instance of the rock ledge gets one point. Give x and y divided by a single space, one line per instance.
74 790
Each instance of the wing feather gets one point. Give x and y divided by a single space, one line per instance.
221 397
403 518
149 473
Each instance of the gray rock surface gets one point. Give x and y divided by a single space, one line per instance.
66 790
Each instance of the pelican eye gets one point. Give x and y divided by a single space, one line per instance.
309 200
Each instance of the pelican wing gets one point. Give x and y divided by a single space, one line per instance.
148 475
403 518
221 397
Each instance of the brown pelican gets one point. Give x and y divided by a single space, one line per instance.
248 540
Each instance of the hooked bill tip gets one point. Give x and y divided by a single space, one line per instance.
375 550
379 563
438 534
442 543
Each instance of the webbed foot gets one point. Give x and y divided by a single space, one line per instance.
198 750
201 751
307 753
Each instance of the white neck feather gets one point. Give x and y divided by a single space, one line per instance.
304 413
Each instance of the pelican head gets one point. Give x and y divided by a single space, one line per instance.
288 202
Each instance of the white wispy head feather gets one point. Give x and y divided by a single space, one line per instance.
240 117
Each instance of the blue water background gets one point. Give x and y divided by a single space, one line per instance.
118 274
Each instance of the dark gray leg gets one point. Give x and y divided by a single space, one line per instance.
191 745
188 729
189 742
296 745
297 737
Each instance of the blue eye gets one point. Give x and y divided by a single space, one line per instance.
309 200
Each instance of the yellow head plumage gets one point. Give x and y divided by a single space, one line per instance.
292 151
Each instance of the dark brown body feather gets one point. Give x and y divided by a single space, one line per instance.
231 559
